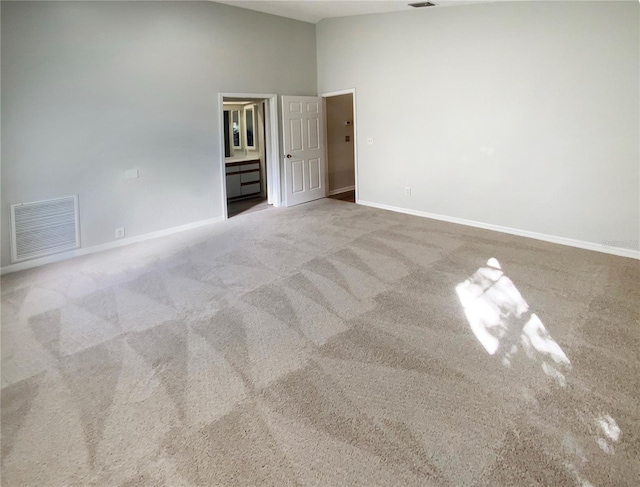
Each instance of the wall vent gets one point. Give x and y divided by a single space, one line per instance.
44 227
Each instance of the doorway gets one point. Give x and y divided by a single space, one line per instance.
341 146
250 171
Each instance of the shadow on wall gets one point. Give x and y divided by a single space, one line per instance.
502 322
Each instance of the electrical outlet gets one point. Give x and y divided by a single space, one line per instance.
370 140
120 232
407 191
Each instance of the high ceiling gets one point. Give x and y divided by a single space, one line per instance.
315 10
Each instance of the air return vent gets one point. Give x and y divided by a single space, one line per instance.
44 227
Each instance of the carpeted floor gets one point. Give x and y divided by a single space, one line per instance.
328 344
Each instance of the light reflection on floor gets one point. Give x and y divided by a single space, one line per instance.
502 322
500 319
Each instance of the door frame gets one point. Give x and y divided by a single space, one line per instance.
272 149
351 91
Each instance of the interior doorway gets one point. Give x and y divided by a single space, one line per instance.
340 144
250 170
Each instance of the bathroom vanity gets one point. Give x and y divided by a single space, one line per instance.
243 177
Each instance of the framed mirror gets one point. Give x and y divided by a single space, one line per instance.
235 129
227 134
249 121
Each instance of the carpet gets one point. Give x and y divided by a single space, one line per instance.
328 344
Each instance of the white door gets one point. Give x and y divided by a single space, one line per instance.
304 163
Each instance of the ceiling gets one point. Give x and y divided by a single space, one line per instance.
314 11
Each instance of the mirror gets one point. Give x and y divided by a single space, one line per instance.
235 123
227 135
249 125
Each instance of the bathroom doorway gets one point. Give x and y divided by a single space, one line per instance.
249 174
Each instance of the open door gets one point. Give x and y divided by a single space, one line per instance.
302 135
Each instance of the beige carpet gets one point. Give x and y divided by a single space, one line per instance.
326 344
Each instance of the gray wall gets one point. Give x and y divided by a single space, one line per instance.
521 114
91 89
340 158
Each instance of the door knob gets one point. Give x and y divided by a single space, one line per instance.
289 156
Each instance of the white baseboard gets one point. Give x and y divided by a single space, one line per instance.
581 244
341 190
634 254
107 246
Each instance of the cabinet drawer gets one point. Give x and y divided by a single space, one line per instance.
250 177
250 167
250 188
232 169
234 187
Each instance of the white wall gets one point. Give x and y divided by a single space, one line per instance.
91 89
523 114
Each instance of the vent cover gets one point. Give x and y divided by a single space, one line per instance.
44 227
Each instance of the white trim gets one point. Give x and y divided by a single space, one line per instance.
338 93
272 133
341 190
325 136
223 166
581 244
107 246
355 131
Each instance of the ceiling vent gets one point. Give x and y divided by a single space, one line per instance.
422 4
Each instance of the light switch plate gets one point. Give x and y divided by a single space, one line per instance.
132 174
